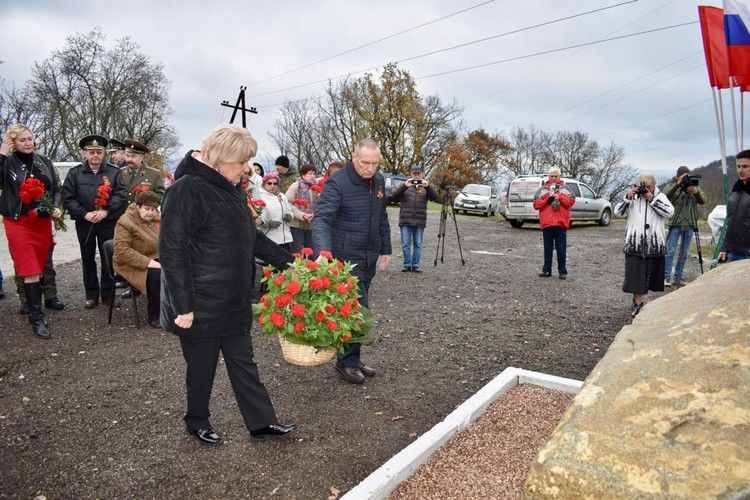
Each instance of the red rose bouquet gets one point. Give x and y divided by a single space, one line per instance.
314 303
32 190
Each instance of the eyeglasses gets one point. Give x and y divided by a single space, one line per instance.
272 183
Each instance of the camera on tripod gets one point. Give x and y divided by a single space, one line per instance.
689 180
641 189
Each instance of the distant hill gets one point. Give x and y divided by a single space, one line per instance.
712 184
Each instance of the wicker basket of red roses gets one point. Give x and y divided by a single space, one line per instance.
313 307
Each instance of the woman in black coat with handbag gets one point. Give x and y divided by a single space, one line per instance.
207 247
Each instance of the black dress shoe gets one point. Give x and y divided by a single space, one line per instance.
54 303
273 430
563 276
24 310
90 303
351 374
545 274
205 436
367 371
154 324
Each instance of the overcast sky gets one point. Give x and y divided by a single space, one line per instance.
657 103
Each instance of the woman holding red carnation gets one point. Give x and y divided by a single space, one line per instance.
27 178
304 195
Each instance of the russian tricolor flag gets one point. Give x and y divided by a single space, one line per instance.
736 24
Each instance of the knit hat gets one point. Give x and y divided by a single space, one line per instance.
417 168
307 168
682 170
282 161
269 176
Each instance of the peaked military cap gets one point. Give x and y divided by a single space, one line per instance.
134 146
93 141
115 145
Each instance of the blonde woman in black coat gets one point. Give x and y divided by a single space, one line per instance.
207 247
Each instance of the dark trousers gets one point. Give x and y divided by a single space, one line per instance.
49 284
557 237
300 239
100 233
201 355
350 356
153 293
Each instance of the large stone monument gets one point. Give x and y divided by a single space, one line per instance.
666 412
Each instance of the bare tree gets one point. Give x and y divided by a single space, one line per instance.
574 153
389 110
297 134
85 88
529 151
611 177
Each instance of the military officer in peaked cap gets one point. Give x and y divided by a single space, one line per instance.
95 210
137 175
117 153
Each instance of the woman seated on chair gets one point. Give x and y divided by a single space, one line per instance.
135 245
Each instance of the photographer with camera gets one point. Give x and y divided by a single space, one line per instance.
684 193
646 208
553 202
412 216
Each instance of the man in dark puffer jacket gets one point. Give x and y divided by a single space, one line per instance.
736 244
351 222
412 217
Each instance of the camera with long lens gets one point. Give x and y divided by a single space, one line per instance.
690 180
641 189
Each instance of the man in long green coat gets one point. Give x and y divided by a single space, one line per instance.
137 175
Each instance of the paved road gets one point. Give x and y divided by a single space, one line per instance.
66 249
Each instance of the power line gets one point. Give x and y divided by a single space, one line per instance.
552 51
582 103
685 108
548 66
373 42
446 49
609 103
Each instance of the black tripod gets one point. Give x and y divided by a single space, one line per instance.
440 250
688 201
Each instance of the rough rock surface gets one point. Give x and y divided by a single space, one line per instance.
666 412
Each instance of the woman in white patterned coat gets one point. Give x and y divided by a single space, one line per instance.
647 209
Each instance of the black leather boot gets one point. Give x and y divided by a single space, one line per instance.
36 313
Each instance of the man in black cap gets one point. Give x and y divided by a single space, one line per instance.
95 197
287 173
117 153
137 175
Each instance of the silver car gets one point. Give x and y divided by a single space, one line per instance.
519 201
476 198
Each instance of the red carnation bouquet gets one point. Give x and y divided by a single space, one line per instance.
301 203
318 186
314 303
255 204
32 190
103 193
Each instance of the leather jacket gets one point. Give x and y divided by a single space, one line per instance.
13 173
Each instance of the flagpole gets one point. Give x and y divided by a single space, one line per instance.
719 111
742 120
732 83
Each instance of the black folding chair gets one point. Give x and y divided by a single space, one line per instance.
109 251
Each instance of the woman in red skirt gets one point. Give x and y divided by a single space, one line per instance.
28 180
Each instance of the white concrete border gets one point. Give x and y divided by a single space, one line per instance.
401 466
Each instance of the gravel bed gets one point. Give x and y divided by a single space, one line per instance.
491 458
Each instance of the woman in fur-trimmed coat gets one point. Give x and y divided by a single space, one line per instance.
647 209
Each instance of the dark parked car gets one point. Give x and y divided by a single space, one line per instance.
392 183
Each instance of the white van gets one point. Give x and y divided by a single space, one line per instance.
519 200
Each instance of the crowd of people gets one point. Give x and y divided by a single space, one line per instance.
192 248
